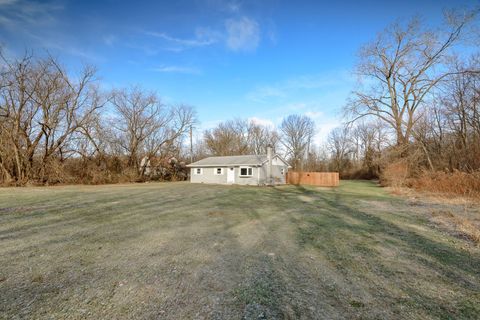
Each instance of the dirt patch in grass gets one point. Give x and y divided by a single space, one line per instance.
216 214
306 199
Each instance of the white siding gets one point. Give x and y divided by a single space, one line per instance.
208 176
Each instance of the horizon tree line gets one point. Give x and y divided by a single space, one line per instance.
417 103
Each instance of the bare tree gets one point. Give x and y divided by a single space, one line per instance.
450 128
145 127
42 109
167 137
238 137
369 138
297 132
401 67
260 136
318 159
138 115
228 138
341 149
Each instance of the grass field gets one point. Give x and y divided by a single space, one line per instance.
182 251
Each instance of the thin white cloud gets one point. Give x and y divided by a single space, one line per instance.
323 123
230 6
271 32
63 46
203 37
260 121
19 14
239 35
177 69
183 42
243 34
233 6
207 125
148 50
7 2
323 128
109 40
288 87
261 94
314 114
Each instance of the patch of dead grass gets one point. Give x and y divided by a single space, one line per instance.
450 183
306 199
459 225
216 214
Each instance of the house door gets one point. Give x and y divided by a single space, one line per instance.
231 175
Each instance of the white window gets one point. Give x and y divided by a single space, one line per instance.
218 171
197 171
246 171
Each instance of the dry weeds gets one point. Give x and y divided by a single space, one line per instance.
455 183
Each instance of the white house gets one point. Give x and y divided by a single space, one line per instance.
266 169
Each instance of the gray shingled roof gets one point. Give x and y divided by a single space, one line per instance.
248 160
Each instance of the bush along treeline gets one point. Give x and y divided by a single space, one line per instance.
413 120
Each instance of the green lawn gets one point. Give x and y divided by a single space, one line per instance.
183 251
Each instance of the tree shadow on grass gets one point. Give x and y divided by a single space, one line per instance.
345 233
98 224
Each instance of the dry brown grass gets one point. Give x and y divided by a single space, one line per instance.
459 224
458 183
463 222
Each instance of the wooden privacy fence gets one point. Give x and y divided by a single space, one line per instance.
322 179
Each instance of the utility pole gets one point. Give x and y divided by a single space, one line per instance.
191 144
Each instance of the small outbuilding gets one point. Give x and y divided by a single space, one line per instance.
266 169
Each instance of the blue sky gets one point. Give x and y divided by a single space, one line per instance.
250 59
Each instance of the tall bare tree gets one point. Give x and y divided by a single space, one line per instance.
260 137
228 138
401 67
145 127
42 109
341 148
297 132
166 139
450 129
138 116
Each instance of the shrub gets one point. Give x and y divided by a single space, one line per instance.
457 182
395 174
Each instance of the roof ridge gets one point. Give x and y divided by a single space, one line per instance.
239 155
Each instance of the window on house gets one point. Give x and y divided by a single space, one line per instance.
282 171
218 171
198 171
246 172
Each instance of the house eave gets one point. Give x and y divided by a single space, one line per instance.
193 165
279 157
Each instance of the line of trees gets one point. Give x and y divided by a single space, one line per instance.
58 128
423 92
416 110
293 138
